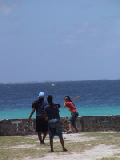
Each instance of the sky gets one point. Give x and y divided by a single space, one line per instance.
59 40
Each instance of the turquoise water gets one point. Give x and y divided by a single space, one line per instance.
93 111
97 97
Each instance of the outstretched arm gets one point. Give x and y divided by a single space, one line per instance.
76 98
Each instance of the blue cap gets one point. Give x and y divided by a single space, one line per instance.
41 95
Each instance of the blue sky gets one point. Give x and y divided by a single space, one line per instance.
59 40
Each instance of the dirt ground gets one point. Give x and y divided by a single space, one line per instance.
100 151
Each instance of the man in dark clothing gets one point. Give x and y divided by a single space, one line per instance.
52 112
41 123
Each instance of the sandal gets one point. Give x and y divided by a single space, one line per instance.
69 132
65 150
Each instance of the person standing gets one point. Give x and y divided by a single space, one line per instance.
74 113
41 123
52 112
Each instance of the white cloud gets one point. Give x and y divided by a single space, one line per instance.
6 7
5 10
101 38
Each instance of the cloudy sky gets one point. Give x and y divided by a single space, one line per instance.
42 40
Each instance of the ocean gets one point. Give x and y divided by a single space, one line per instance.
98 97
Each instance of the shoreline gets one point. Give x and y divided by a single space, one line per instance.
63 117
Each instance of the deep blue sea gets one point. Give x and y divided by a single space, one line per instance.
98 97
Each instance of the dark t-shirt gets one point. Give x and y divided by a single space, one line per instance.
52 111
39 107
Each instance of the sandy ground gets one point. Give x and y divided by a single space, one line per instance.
93 154
97 152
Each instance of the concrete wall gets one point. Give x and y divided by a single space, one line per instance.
13 127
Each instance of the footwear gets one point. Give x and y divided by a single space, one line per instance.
69 132
65 150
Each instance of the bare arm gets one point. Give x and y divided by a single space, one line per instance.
58 105
33 110
64 105
46 116
76 98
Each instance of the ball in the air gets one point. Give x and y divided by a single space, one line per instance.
53 85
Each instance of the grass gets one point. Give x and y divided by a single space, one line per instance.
10 145
9 148
106 138
109 158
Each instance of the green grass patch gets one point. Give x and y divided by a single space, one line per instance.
102 134
105 138
109 158
10 148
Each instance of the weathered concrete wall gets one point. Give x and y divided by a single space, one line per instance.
12 127
100 123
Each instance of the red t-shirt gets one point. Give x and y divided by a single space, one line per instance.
70 106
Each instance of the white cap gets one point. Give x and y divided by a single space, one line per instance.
41 95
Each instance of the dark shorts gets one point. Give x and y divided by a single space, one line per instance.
41 125
54 128
73 118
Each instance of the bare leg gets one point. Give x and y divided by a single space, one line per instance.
40 137
75 128
51 145
62 143
70 127
45 134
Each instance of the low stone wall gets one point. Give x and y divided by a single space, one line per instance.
13 127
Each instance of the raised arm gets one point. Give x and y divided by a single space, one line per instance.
76 98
